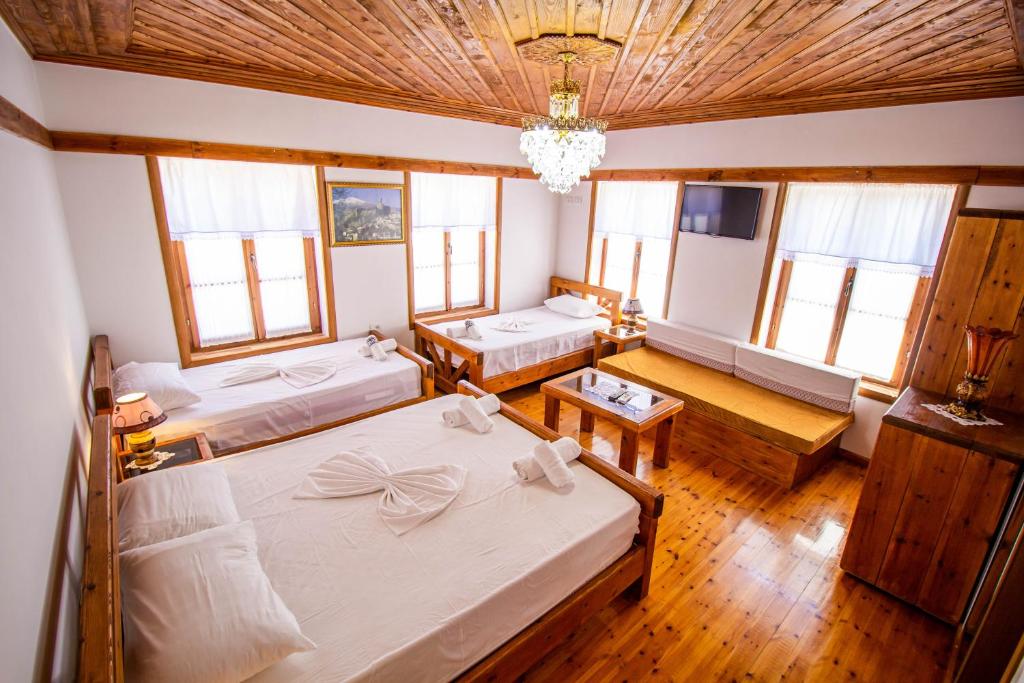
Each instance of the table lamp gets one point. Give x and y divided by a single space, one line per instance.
134 415
631 310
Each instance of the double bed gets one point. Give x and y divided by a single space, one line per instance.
551 343
248 415
480 592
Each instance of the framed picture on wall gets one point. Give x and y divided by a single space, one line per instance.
365 213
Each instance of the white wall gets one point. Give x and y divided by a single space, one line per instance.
967 132
110 212
717 279
43 354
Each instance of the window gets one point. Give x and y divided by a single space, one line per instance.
454 242
633 240
853 267
244 240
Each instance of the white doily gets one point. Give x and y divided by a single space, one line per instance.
941 410
160 456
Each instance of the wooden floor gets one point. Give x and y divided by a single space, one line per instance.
747 585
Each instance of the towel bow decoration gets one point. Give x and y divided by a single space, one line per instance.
299 375
411 497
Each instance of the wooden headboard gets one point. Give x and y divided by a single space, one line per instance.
101 378
609 299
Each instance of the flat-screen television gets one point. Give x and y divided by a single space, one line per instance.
720 210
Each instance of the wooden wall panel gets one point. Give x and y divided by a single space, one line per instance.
982 283
1001 292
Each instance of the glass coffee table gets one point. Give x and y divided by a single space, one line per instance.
633 407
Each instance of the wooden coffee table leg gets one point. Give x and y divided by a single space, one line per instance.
586 421
662 442
629 447
552 406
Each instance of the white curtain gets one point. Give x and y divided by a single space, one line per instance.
208 198
453 202
641 209
897 225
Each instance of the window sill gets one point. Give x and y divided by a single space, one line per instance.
878 392
457 314
255 349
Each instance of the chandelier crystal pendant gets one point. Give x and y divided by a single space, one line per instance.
564 147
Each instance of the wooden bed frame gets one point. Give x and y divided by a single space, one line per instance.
101 648
102 387
441 348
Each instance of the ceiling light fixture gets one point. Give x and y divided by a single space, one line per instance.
564 147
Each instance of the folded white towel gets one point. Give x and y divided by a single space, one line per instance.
299 375
475 414
411 497
454 417
472 331
555 469
529 469
457 332
385 345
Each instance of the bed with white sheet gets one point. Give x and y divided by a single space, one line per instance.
547 342
448 597
253 413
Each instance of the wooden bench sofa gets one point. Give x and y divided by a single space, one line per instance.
778 437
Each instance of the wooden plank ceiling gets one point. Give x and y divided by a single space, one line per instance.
681 61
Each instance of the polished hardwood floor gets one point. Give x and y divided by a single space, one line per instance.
747 584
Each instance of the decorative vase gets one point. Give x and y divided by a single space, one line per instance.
983 347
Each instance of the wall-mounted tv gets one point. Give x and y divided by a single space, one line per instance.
720 210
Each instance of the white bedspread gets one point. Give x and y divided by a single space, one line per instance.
247 413
547 335
427 605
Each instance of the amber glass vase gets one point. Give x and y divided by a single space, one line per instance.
984 344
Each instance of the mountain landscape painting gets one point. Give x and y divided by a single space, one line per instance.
363 213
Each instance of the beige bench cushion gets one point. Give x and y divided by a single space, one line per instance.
783 421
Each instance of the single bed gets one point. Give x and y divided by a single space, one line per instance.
551 344
245 416
480 592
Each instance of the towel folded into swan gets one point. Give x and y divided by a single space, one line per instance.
299 375
411 497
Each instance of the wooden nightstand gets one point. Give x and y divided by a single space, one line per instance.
187 449
619 335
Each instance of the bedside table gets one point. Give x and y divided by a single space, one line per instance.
186 450
619 335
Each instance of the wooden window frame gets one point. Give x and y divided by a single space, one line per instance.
191 352
450 312
924 294
638 251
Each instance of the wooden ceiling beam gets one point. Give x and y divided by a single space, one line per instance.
99 143
14 120
946 175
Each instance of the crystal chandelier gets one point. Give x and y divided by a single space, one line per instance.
563 147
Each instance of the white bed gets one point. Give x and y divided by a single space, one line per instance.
236 416
552 343
427 605
548 335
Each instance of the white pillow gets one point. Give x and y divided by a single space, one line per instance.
574 306
200 609
162 381
178 501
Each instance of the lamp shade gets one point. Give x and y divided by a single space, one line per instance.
633 307
136 412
